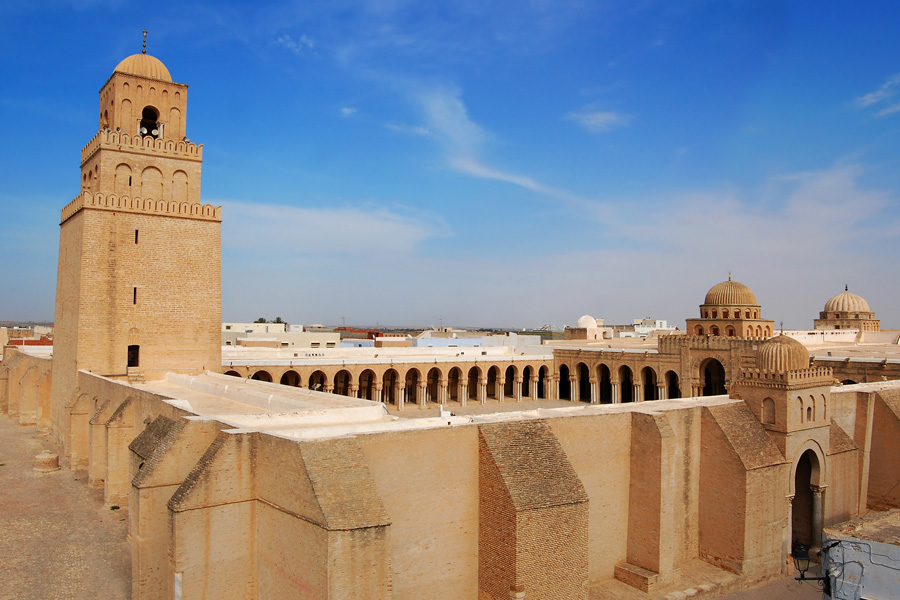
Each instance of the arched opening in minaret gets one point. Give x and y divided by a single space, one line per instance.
713 377
150 122
806 477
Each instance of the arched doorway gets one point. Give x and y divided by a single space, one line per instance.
474 376
526 382
605 385
542 386
433 385
713 377
317 381
412 385
389 389
584 383
342 382
648 382
806 508
626 384
493 388
453 384
262 376
564 386
672 389
509 383
233 373
290 378
367 385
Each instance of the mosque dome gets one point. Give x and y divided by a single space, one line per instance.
144 65
848 302
587 322
730 293
782 353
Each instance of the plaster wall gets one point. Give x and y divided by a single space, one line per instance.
884 473
428 482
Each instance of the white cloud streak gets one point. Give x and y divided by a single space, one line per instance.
352 231
463 141
599 121
299 46
883 93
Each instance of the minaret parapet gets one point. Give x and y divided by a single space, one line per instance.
187 210
119 140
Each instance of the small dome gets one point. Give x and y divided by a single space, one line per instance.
587 322
847 302
782 353
144 65
729 293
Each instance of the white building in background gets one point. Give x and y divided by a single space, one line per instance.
255 327
644 327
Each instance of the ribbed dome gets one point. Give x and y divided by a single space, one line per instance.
781 354
847 302
587 322
730 293
144 65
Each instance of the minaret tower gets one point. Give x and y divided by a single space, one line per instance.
793 402
138 286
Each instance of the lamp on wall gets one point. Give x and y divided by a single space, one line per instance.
800 553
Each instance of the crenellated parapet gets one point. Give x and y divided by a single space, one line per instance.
800 378
673 344
171 208
118 140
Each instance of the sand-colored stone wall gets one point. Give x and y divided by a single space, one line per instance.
428 482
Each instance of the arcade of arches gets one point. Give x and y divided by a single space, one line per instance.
684 367
413 383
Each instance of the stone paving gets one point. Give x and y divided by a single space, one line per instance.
57 539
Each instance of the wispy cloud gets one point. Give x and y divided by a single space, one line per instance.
463 141
299 46
888 111
409 129
361 231
883 93
599 121
348 111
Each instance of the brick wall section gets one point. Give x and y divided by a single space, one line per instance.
336 516
529 493
213 522
742 474
162 456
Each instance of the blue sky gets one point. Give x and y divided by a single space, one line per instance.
489 163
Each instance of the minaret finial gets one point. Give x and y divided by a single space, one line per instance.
846 288
144 49
729 275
